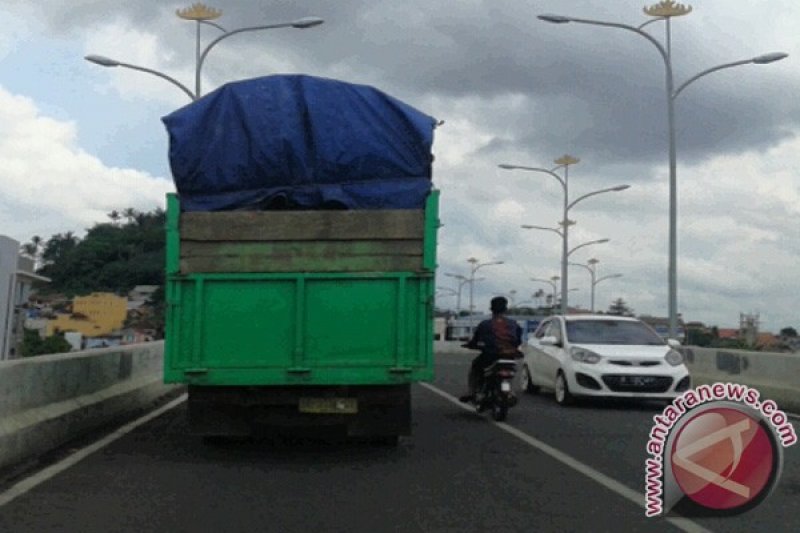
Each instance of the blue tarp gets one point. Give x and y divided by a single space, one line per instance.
299 142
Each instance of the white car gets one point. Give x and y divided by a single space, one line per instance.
602 355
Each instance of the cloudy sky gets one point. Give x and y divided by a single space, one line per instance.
78 140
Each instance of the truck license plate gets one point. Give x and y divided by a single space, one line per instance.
328 405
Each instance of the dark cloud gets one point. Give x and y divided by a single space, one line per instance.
598 89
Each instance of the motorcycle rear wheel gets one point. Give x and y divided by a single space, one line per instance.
499 411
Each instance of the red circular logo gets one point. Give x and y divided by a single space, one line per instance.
723 458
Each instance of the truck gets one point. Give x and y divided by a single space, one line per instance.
298 316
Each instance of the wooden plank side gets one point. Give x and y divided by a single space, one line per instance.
303 225
228 264
307 249
301 256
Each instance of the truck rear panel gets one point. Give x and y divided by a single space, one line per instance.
300 297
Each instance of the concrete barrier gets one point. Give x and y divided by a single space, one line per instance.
48 400
775 375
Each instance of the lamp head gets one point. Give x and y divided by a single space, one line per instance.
505 166
621 187
102 61
307 22
555 19
769 58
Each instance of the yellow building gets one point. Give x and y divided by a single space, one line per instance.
99 313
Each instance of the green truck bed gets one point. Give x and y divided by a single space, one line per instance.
309 312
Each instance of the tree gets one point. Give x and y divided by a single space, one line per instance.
33 344
111 257
698 337
620 308
129 214
58 247
33 249
788 332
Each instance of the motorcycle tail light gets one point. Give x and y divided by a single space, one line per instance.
505 374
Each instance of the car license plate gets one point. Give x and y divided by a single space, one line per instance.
505 386
328 405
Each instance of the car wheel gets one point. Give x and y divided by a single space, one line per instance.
527 381
563 396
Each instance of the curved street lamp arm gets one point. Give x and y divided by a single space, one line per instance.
225 35
658 45
208 22
536 169
709 71
486 264
657 19
598 280
594 193
599 241
528 226
170 79
582 265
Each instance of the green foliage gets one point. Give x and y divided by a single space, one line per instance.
620 308
788 332
697 337
112 257
33 344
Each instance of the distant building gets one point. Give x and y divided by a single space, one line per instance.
16 280
75 340
142 293
728 333
96 315
135 336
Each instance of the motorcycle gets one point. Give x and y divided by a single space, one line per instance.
495 392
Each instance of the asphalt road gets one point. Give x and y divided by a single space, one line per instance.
459 472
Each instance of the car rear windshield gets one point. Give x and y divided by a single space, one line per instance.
611 332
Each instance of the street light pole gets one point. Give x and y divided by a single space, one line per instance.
592 268
564 161
202 14
598 280
665 10
474 268
462 281
552 282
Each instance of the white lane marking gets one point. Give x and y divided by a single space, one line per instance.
683 524
40 477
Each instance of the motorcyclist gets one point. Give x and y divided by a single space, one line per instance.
498 338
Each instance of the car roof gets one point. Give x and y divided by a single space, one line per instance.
570 318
